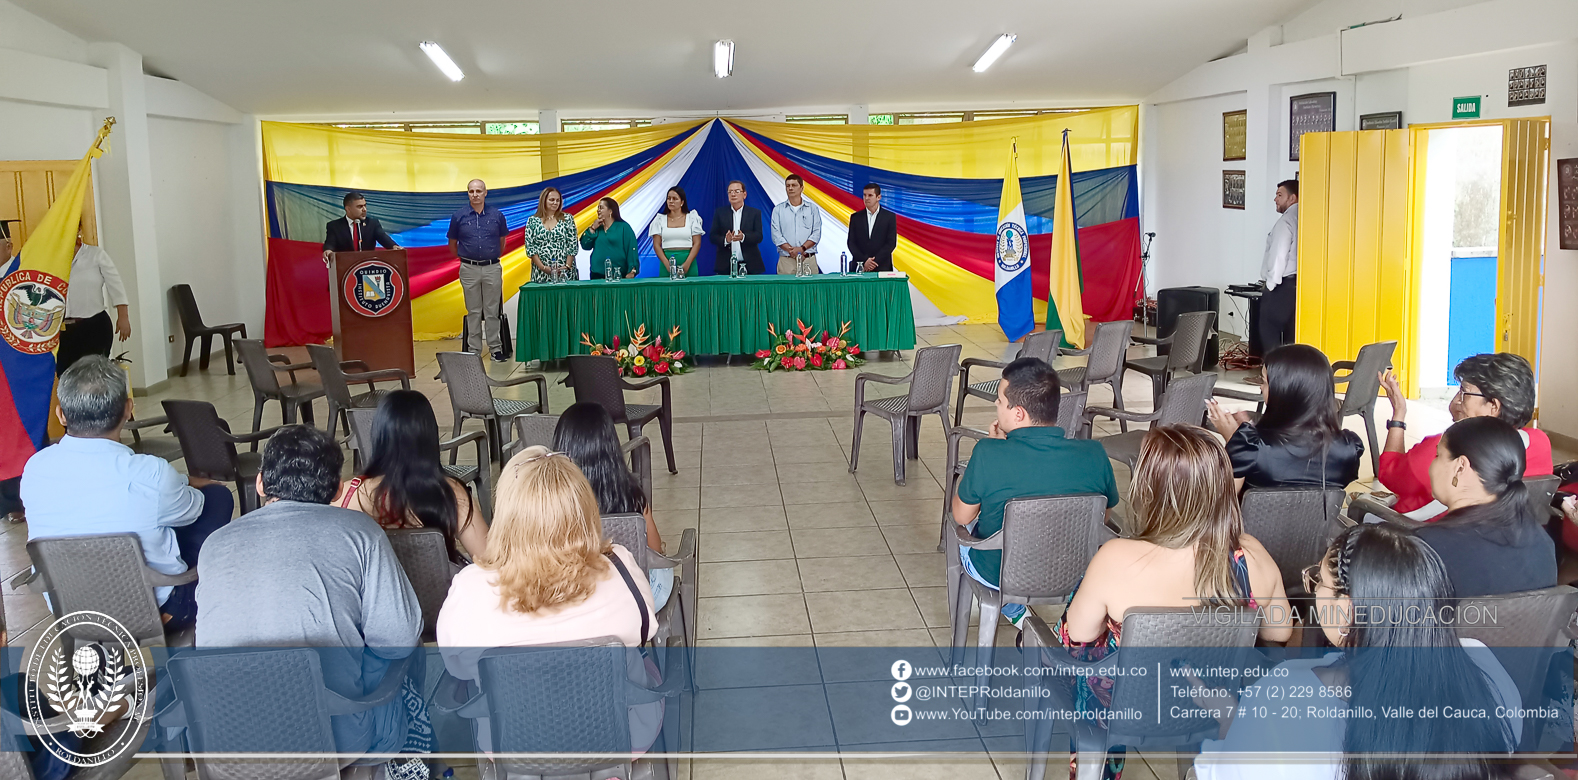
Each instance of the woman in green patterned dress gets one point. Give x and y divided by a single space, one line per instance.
551 237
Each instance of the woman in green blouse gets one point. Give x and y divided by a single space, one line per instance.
550 237
611 240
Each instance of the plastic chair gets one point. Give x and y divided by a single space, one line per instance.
596 380
1182 404
630 530
477 475
1151 636
264 700
337 383
1103 363
1182 350
1041 344
261 372
1295 525
471 395
1541 491
192 329
928 394
107 574
1517 626
426 562
538 429
1364 385
210 448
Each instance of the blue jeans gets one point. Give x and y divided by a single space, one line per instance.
1011 611
218 506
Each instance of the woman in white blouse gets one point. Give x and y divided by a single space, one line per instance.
676 233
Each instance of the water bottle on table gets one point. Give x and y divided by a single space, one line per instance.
608 271
843 263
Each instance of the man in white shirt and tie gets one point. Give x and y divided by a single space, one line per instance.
873 233
1279 271
95 285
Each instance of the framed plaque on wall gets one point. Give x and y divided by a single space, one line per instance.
1232 189
1567 202
1391 120
1312 113
1235 135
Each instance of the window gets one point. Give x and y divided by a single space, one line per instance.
817 119
929 117
591 125
511 128
880 119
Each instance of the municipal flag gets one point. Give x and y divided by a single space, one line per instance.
1015 313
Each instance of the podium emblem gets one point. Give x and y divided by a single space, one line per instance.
373 288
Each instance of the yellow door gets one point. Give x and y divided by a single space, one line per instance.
27 188
1520 264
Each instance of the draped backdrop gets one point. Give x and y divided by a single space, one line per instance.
942 181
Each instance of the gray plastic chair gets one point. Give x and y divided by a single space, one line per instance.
210 448
1151 636
477 475
1522 623
1364 385
471 396
1295 525
596 379
262 373
1182 404
337 383
1047 542
538 429
426 562
1041 344
107 574
928 394
677 619
1183 350
192 329
1103 363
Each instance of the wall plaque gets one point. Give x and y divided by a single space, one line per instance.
1567 202
1391 120
1235 135
1526 86
1312 113
1232 189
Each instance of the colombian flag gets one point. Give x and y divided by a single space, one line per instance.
33 296
1065 304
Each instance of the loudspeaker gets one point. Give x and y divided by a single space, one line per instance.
1173 301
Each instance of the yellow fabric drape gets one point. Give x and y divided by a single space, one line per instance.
1100 138
439 162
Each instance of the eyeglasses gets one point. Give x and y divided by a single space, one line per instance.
1462 393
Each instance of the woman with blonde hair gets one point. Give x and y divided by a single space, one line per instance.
550 237
1187 548
548 575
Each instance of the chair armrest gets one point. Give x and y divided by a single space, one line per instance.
635 444
983 362
520 380
288 366
452 694
884 378
1151 341
159 579
1237 395
1091 412
966 539
381 375
27 578
1364 505
645 383
685 554
450 444
394 677
1110 526
965 432
248 438
358 365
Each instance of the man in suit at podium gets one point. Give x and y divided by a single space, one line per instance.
737 232
356 232
873 234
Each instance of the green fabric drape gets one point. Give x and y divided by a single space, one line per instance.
716 314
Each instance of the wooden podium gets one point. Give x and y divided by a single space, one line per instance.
370 301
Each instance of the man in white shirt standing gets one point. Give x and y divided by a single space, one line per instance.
1279 271
95 285
796 226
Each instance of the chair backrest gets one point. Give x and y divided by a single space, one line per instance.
931 382
197 427
1047 543
425 558
327 362
596 380
186 308
1108 348
1183 403
266 700
1531 618
1541 491
1041 344
1203 639
103 573
629 530
467 381
1365 382
1294 524
1190 335
1071 414
260 372
362 431
535 430
583 711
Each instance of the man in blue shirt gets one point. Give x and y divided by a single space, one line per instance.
476 236
90 483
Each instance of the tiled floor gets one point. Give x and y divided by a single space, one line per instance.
795 550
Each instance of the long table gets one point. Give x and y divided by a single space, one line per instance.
716 314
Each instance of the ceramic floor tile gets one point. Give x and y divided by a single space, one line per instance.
676 498
846 574
912 539
850 515
838 542
743 518
718 496
746 546
748 578
736 616
906 512
863 610
922 570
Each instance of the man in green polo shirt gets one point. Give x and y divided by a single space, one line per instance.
1028 455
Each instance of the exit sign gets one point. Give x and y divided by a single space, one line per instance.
1465 107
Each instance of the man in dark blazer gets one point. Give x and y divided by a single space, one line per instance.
355 232
737 224
873 234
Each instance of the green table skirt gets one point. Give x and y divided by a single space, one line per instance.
716 314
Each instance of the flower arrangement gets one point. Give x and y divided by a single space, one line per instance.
797 350
642 356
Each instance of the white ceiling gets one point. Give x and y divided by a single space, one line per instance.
359 57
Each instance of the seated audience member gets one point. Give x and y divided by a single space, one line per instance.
549 575
90 483
586 434
1372 588
301 573
1299 441
1489 538
1028 455
403 484
1498 384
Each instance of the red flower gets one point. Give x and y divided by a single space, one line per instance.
799 363
679 354
640 370
760 353
854 349
787 362
840 365
816 361
616 342
662 368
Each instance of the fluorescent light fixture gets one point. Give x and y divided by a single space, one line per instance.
994 51
436 54
723 58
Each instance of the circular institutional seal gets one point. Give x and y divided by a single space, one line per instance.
34 305
373 288
1013 251
92 687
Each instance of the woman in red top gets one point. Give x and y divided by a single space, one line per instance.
1497 384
